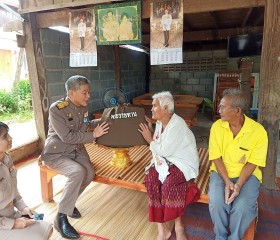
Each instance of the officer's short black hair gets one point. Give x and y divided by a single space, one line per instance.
3 129
74 82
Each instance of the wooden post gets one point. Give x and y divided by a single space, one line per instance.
117 65
269 95
246 66
37 77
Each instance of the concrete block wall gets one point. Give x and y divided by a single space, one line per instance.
198 83
56 48
133 72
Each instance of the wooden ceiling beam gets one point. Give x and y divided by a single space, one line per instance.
187 27
48 7
53 19
209 35
258 20
247 17
60 17
190 6
215 18
197 6
218 34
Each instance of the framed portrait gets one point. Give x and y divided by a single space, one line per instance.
83 50
166 32
118 23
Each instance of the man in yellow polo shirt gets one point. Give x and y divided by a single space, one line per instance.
237 148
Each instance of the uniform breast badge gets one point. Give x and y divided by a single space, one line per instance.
85 118
69 115
62 105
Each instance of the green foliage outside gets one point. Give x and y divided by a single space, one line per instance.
16 105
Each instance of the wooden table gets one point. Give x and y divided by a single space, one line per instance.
179 100
187 113
186 106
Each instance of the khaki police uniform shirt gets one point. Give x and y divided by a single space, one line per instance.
67 133
9 195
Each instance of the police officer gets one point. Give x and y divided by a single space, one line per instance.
15 224
64 149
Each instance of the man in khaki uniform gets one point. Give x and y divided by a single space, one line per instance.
64 150
15 224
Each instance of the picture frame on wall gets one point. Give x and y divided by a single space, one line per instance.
118 23
83 50
166 32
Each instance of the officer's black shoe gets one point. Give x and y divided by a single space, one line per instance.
76 214
62 225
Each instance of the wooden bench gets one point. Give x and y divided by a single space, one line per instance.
131 177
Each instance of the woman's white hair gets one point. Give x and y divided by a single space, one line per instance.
165 99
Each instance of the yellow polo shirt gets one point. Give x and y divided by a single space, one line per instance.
250 145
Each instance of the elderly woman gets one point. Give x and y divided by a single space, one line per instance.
175 163
14 224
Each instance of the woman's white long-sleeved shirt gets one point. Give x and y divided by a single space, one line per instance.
177 144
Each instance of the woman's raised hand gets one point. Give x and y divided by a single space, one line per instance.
146 133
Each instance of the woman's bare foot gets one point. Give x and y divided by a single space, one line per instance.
163 232
180 234
180 229
164 236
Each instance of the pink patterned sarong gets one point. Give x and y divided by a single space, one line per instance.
168 200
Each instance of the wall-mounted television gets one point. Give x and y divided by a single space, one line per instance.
245 45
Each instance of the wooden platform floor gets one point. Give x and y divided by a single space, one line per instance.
108 211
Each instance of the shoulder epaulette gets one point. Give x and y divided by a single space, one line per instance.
62 105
